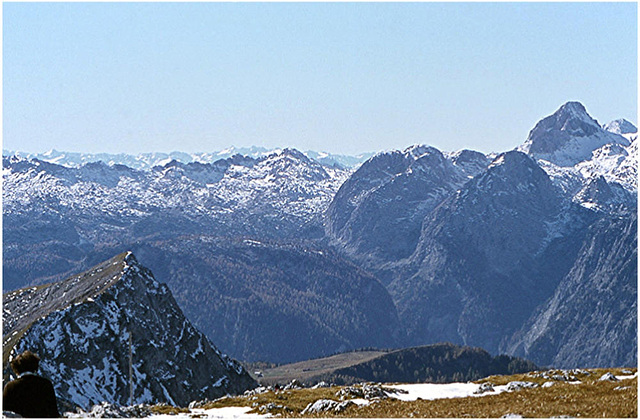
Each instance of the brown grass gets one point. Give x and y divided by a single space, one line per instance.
594 375
293 401
167 409
591 399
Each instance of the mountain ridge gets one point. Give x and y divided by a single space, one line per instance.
84 326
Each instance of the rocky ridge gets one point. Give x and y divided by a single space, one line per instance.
603 278
85 327
64 213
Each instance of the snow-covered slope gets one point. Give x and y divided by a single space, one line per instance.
621 126
81 328
281 189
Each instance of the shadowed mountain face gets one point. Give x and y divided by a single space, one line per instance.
268 301
591 319
84 327
487 256
377 214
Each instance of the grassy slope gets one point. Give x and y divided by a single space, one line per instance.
303 371
591 399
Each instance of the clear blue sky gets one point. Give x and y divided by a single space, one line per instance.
340 77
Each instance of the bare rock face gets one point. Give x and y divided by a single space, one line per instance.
88 327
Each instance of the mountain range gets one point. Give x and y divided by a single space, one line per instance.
283 257
145 161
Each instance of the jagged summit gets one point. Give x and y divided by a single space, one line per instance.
84 327
512 174
568 136
621 126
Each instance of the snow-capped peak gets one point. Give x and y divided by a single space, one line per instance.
568 136
620 126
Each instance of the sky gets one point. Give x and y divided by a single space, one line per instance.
338 77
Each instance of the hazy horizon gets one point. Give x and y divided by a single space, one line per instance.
344 78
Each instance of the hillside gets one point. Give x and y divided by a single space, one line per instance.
309 370
264 300
437 363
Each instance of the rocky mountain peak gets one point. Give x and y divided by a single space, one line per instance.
294 153
621 126
513 164
571 119
470 162
85 327
572 112
419 150
568 136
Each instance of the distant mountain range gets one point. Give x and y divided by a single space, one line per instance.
284 257
146 161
